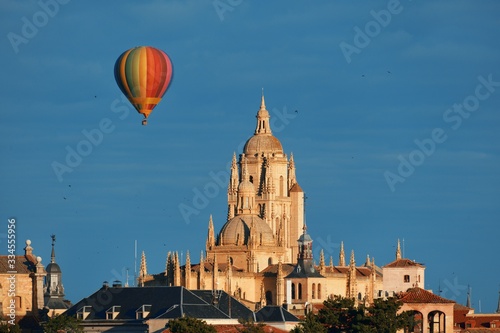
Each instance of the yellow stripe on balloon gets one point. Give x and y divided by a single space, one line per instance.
122 72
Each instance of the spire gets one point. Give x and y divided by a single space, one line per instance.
210 236
352 286
279 284
331 261
187 271
498 307
468 304
246 190
188 259
143 271
262 102
342 255
321 262
202 271
398 251
262 295
352 262
177 270
167 263
263 126
291 172
215 277
53 254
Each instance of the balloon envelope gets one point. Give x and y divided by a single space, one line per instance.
143 74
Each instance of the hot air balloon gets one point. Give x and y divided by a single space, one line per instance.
143 74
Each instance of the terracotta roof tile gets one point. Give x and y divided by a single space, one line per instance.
419 295
404 263
23 266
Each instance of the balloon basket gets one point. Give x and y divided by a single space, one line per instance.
144 122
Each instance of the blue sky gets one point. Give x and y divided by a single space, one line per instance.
396 134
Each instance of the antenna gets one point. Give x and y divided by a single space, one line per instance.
135 262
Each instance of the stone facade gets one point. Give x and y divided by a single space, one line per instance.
22 290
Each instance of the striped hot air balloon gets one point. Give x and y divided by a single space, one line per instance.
143 74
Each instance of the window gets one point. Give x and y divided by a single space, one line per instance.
313 294
293 290
319 290
282 185
406 278
300 291
269 261
83 312
143 311
113 312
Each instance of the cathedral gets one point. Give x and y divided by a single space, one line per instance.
263 254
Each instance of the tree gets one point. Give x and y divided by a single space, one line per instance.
5 327
249 326
310 324
339 314
190 325
383 317
62 323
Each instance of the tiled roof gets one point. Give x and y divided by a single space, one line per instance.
274 313
238 310
419 295
164 302
482 320
304 269
403 263
360 271
459 314
482 330
238 328
272 270
23 266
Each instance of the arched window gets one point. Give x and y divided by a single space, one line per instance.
251 179
319 290
313 293
415 326
299 296
437 322
269 261
231 258
293 290
282 186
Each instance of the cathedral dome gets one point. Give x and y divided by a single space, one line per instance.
263 140
237 231
246 187
262 144
53 268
